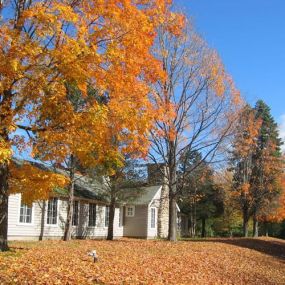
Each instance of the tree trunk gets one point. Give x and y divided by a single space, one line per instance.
195 211
110 235
266 229
4 171
192 231
43 208
255 226
172 236
203 227
163 210
68 224
194 227
172 228
188 227
245 223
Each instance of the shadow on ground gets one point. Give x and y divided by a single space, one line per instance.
273 247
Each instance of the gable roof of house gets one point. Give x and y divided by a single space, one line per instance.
92 189
89 189
147 195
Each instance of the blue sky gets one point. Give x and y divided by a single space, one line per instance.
249 35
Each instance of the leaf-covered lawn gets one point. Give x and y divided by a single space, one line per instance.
217 261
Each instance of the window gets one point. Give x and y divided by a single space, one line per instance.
130 211
52 211
107 214
25 214
75 216
152 217
92 215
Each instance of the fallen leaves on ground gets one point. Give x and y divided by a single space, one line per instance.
127 261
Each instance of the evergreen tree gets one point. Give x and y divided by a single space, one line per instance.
267 163
199 197
256 161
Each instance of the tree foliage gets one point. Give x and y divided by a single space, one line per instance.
200 197
25 178
257 162
48 46
198 102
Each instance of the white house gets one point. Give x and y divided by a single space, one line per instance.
46 219
141 218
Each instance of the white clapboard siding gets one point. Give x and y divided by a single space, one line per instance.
15 228
99 231
136 226
18 231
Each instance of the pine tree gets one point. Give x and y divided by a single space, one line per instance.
257 163
267 163
199 197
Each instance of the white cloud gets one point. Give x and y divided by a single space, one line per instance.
282 130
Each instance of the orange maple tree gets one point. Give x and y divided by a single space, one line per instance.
46 46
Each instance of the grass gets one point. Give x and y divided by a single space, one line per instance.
127 261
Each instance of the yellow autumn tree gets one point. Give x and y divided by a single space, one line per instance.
45 46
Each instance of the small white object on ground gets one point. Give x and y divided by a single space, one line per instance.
93 253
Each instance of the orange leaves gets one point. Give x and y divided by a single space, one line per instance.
64 12
5 151
103 45
134 262
174 23
213 69
276 213
26 178
49 18
247 133
245 188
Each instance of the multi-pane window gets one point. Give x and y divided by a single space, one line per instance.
130 211
92 215
75 216
152 221
52 211
25 214
107 214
